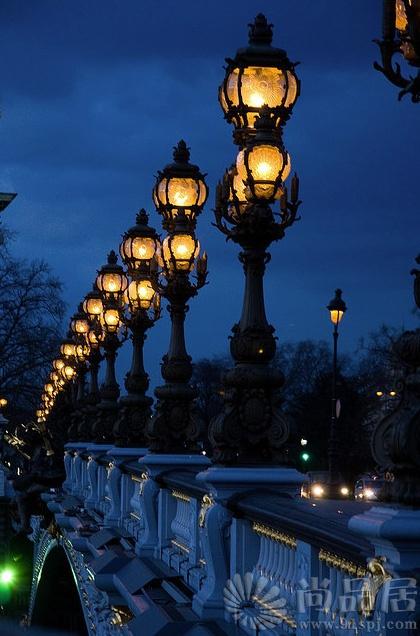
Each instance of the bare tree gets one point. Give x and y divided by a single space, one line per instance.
207 378
31 312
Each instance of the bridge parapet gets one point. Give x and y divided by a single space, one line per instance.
234 546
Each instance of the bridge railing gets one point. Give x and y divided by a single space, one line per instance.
295 561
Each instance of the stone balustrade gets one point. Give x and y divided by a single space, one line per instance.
239 546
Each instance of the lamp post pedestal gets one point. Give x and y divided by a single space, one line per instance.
107 407
176 424
135 407
78 414
85 431
252 429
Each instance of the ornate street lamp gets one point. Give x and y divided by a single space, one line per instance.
92 310
259 75
180 189
176 424
79 327
337 308
139 251
111 282
252 429
401 34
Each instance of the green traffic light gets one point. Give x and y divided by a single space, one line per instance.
305 457
6 576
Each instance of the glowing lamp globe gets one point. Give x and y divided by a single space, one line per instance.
111 280
180 252
111 320
337 308
259 75
180 188
140 245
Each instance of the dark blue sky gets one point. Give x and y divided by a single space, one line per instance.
95 94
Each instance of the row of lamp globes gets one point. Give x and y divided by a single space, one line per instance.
180 192
257 96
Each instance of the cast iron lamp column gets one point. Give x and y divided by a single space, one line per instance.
93 309
401 34
111 282
179 195
139 249
257 96
337 308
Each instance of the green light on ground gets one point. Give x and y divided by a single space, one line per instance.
6 576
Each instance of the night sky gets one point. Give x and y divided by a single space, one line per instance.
95 94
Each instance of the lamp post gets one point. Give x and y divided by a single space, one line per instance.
401 34
139 250
257 96
179 195
111 283
337 308
93 309
79 327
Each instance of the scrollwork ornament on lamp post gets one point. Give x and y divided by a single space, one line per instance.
139 250
252 428
176 424
396 439
401 35
111 282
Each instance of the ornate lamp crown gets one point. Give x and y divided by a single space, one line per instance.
259 75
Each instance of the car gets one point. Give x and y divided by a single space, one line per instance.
368 487
317 486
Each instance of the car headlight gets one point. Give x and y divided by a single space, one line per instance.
368 493
317 490
344 491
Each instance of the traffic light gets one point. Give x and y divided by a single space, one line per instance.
7 580
6 576
305 457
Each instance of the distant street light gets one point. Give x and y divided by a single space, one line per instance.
303 442
337 308
401 34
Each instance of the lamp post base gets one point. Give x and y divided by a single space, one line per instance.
133 416
102 428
